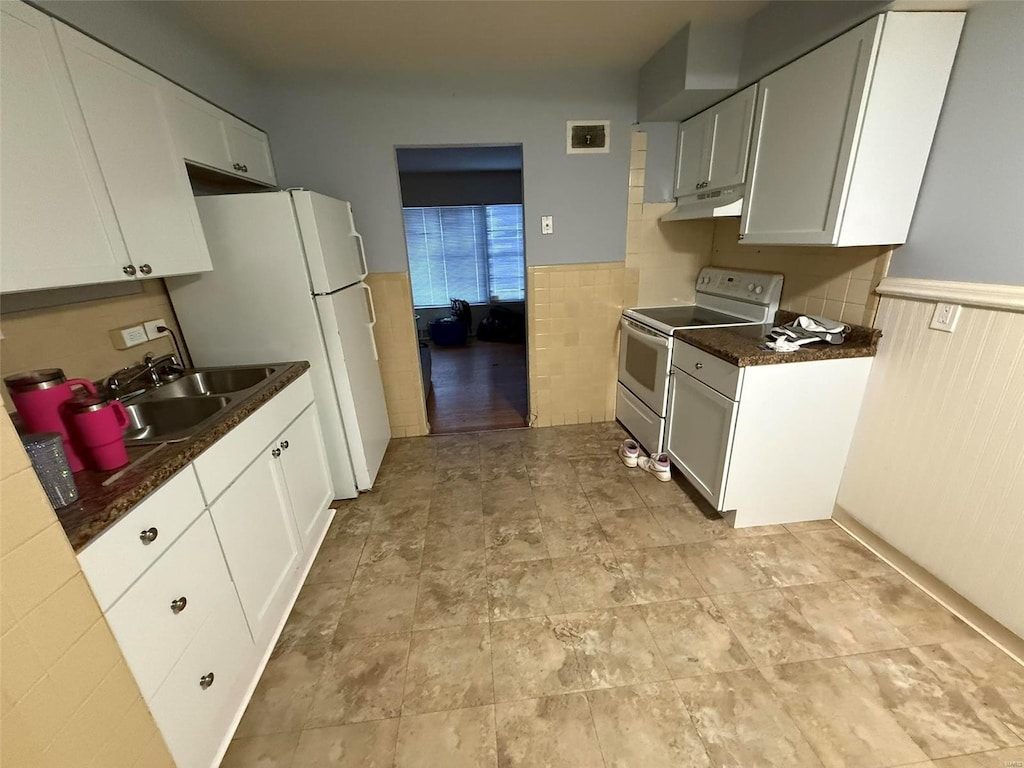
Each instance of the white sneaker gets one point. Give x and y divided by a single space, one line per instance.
629 452
658 465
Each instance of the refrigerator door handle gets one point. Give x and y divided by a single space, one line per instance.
373 319
362 256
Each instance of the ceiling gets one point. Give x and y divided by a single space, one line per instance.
450 36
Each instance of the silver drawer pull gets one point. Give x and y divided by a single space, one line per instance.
276 453
206 680
284 445
698 366
177 606
149 535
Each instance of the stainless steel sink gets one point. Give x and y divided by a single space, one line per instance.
179 409
220 381
170 420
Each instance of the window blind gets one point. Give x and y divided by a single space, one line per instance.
471 252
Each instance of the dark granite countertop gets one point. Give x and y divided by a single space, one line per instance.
98 506
742 345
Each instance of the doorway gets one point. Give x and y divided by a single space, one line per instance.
462 209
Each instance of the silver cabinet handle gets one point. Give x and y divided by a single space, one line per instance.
236 166
149 535
206 680
177 606
698 366
146 269
245 168
129 270
276 453
284 445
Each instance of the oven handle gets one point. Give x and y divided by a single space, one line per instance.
657 338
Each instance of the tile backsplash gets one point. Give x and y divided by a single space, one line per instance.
75 336
68 697
837 283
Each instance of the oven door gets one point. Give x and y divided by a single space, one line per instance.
645 357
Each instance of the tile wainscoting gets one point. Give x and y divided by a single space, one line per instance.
68 696
398 350
573 313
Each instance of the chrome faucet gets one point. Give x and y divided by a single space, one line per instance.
149 366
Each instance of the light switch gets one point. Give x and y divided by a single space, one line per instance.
547 225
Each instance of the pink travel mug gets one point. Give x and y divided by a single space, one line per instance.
39 397
99 425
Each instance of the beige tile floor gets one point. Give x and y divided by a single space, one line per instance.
522 599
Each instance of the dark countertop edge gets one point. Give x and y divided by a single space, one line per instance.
99 507
744 351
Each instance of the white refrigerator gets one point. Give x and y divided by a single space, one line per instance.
287 284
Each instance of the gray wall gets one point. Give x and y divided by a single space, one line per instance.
969 222
154 34
339 137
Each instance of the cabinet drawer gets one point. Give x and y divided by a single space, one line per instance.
194 720
716 373
121 553
151 631
226 459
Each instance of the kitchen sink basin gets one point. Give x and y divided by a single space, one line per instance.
222 381
170 420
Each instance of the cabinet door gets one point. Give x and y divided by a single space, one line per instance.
58 223
141 166
257 533
197 128
250 151
730 144
700 429
804 130
308 477
693 151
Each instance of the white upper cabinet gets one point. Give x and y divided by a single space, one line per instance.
713 145
197 127
730 143
59 227
210 136
842 135
249 150
144 173
693 154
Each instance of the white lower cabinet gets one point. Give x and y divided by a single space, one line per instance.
764 444
194 708
261 546
304 461
197 597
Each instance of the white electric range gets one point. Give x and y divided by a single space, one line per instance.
724 298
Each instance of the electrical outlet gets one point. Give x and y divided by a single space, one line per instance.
151 328
128 337
945 317
547 225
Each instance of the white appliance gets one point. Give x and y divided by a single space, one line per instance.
287 284
724 298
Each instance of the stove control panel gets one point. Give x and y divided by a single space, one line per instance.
755 287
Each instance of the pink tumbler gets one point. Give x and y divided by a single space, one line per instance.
99 425
38 396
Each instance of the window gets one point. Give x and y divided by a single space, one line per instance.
471 252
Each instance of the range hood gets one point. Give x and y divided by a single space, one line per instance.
708 205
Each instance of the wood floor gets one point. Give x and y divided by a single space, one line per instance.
477 388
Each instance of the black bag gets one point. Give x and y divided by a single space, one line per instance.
502 325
